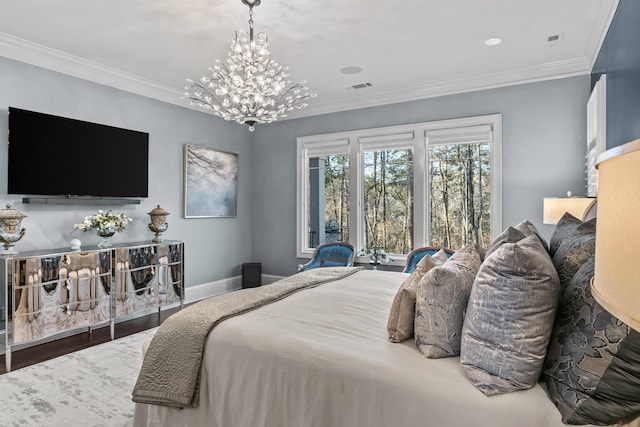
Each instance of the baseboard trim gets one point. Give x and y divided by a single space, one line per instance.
206 290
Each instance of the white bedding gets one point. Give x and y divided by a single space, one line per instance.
321 358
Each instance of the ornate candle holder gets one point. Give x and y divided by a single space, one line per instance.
158 222
10 229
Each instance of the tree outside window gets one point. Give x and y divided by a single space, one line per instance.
459 199
388 200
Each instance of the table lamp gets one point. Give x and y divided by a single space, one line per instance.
555 207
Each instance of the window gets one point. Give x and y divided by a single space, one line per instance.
459 175
401 187
328 207
387 192
324 186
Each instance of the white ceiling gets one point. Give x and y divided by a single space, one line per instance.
408 49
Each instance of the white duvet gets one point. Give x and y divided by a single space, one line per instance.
321 358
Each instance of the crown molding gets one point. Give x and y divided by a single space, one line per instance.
35 54
459 84
55 60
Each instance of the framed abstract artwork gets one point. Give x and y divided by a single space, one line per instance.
210 182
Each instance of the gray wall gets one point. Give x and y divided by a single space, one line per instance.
215 247
544 146
619 59
544 134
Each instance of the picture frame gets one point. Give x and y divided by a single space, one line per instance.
210 182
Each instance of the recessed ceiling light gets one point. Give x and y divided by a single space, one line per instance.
351 70
493 41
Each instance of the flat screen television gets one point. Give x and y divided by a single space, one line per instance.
58 156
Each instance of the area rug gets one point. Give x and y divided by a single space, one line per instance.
89 388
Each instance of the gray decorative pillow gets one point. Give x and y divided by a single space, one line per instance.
592 370
440 257
509 318
509 235
402 313
481 251
528 229
441 301
565 227
575 250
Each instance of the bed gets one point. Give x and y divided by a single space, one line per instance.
315 349
321 357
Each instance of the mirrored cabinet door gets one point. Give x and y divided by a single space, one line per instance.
45 293
147 276
57 293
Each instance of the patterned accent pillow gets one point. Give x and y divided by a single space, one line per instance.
402 313
509 318
565 227
592 369
441 301
575 250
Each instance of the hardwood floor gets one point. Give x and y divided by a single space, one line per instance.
39 353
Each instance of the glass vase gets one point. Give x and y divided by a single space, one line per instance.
105 233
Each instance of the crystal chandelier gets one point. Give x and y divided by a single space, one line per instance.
249 87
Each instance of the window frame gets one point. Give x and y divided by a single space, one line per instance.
413 136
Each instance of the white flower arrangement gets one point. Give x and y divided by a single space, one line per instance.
376 255
102 221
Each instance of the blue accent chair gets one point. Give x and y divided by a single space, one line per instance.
333 254
416 255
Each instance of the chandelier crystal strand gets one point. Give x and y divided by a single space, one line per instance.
249 87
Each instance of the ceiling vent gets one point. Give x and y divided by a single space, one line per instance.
554 40
361 86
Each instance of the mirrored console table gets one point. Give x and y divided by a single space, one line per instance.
47 293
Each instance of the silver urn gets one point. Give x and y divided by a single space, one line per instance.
10 228
158 222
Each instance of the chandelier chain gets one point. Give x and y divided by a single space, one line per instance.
251 27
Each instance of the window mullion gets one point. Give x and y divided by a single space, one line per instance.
420 217
302 194
356 181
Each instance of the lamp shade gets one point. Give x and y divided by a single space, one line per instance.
555 207
616 282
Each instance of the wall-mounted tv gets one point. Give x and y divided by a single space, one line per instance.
58 156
